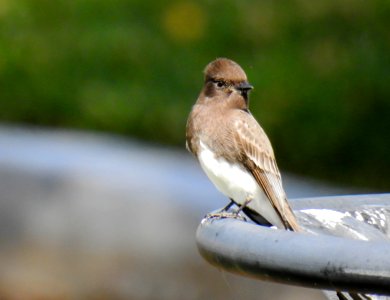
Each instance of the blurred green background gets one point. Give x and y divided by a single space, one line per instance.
321 73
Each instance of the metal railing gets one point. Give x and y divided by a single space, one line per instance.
317 258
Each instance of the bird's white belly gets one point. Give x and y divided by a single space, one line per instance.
230 179
234 181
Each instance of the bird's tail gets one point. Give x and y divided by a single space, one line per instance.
289 220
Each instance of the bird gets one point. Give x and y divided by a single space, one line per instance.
233 149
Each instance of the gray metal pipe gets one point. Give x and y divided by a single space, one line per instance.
316 261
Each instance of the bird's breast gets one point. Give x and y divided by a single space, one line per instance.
235 182
232 179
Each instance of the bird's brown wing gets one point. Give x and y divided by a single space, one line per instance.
257 155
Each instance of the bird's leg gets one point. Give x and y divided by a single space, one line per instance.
242 206
227 207
224 213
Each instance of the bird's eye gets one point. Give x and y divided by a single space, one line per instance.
220 83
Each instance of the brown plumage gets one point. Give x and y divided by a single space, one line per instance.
223 135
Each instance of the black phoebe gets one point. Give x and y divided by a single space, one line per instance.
233 149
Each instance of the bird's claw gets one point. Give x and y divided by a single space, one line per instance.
224 215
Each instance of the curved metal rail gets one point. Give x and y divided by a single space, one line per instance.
316 261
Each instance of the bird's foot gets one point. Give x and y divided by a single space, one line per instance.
224 215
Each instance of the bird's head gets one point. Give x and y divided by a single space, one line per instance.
225 78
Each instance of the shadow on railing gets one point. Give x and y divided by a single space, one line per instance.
346 246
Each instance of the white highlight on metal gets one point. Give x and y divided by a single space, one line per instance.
359 217
332 219
326 216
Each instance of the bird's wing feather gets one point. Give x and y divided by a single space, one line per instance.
258 157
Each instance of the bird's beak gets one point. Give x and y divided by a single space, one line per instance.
244 86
